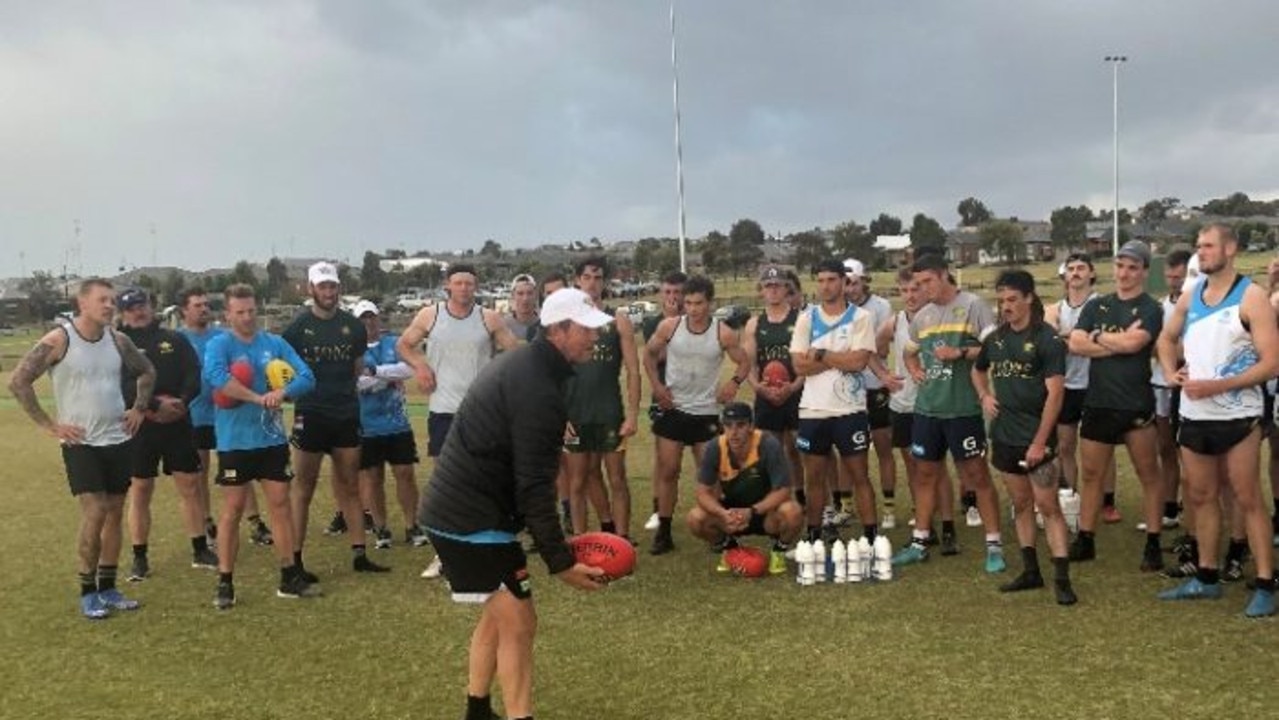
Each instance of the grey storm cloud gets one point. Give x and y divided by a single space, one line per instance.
203 133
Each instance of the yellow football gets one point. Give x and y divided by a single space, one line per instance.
279 373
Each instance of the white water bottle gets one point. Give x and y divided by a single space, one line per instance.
804 560
1070 502
819 560
883 558
854 562
839 556
867 555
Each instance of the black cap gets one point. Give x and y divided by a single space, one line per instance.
131 298
738 412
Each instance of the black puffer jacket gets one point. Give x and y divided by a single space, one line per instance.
177 368
497 468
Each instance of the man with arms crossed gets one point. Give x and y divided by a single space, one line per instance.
1227 330
1116 332
1023 360
499 480
831 345
86 360
165 441
193 303
327 420
672 293
687 398
460 338
945 338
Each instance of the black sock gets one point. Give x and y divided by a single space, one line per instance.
814 532
838 497
1208 576
357 550
889 493
297 558
802 499
140 551
479 708
969 500
1061 568
664 526
88 582
947 527
609 527
1265 584
654 505
1108 500
1030 560
871 531
200 543
1171 510
1087 536
1237 550
224 578
1152 540
208 521
106 577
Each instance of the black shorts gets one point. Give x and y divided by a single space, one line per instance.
1214 437
877 411
850 434
688 429
397 449
205 438
99 468
169 447
1008 458
596 438
931 438
1268 411
1108 426
240 467
754 527
777 418
437 430
1072 406
902 427
318 434
477 570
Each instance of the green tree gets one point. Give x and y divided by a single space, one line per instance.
43 293
372 276
885 224
172 285
810 248
746 232
426 275
492 248
973 212
348 279
1003 239
716 253
1238 204
745 242
1253 235
277 278
926 232
1157 209
1070 226
646 251
666 258
148 283
851 240
243 273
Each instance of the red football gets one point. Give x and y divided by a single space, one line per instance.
242 370
775 374
747 561
611 553
221 400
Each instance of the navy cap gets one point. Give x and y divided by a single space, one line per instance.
738 412
131 298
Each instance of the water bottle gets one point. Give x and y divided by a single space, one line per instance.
883 558
819 560
804 560
839 562
867 556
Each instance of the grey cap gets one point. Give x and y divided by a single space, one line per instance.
1136 250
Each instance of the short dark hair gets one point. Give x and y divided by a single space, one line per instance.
185 294
461 268
549 278
675 277
1019 280
830 265
906 274
1177 258
931 263
793 278
700 285
596 261
239 291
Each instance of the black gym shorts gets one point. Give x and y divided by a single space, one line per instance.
1108 426
169 447
1214 437
395 449
318 434
240 467
99 468
477 570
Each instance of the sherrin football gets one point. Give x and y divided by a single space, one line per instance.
775 374
279 373
746 561
611 553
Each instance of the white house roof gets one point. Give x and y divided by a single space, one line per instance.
892 242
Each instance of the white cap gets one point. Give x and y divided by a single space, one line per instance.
364 307
1192 273
572 304
853 268
1061 270
322 272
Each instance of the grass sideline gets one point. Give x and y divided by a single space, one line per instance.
674 641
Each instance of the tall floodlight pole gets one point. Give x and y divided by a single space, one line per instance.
1115 61
679 149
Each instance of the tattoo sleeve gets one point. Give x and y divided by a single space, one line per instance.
22 382
140 366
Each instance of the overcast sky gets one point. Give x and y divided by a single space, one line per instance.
201 133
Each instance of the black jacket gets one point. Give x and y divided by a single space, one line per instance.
177 369
498 465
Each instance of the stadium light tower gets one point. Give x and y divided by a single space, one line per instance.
1115 61
679 149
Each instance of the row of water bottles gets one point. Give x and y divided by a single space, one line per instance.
839 564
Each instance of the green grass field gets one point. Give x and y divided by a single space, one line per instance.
674 641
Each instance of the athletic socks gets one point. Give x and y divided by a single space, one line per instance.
890 500
871 531
994 540
1152 540
479 708
664 526
358 551
106 577
225 578
947 527
140 550
1030 560
88 582
297 558
969 500
1208 576
1171 510
802 499
1061 569
1237 550
199 544
814 533
919 538
609 527
1108 500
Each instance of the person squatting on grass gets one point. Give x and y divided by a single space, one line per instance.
87 360
494 476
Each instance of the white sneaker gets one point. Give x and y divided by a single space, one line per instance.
1141 526
911 521
652 523
433 570
888 522
1171 522
973 517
